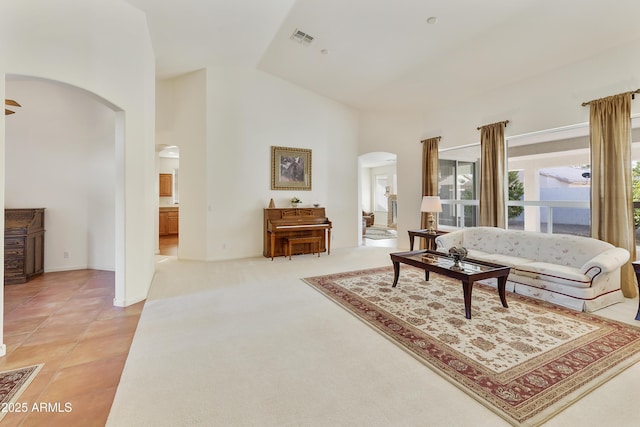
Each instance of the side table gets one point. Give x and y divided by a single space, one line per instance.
636 268
430 238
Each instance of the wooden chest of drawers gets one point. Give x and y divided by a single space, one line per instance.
23 244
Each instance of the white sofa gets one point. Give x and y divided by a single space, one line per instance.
580 273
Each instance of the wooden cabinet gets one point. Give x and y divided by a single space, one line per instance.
23 244
166 185
172 222
168 221
162 224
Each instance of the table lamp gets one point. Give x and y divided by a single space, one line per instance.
431 204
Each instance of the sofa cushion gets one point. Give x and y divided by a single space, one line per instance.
485 239
555 273
567 250
479 255
509 261
522 244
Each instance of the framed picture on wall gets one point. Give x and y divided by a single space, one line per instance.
290 168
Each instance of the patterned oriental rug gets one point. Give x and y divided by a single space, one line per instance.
12 384
526 362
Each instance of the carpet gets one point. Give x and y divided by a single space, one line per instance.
526 362
379 233
12 384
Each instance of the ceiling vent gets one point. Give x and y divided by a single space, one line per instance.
301 37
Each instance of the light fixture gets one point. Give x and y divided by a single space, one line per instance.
431 204
432 20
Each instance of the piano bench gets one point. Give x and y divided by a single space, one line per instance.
291 241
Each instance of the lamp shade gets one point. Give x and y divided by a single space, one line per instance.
431 204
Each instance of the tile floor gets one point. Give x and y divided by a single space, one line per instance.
67 321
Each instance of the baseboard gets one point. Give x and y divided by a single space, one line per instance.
101 268
79 267
127 303
70 268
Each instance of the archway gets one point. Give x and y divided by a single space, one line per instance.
378 198
61 153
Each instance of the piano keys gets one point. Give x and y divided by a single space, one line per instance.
281 224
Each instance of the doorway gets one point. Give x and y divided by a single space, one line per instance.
169 200
378 198
60 154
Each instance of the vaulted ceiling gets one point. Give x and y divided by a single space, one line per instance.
384 54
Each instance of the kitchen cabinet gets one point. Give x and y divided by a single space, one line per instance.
166 185
168 221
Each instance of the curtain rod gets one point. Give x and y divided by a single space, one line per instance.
504 122
428 139
584 104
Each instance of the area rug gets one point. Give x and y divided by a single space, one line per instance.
379 233
12 384
526 362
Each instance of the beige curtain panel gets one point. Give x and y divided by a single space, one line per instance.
429 175
611 185
492 175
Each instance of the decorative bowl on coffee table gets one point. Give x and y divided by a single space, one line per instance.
457 254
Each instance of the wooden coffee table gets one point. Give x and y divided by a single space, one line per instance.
437 262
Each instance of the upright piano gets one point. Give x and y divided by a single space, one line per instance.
286 223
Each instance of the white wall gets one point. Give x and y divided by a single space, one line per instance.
548 101
225 175
104 48
400 134
366 189
181 120
168 164
248 112
3 347
60 155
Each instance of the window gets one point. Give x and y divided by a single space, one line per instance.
549 186
458 182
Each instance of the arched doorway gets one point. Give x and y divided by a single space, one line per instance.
60 154
378 198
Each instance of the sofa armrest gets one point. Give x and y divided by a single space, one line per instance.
446 241
605 262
